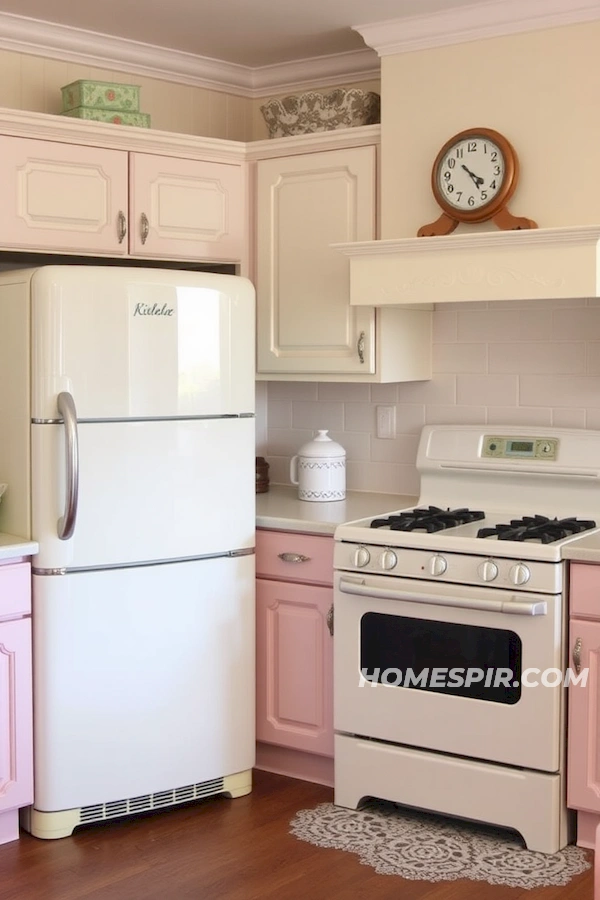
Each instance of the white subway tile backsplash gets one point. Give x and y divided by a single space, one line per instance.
384 393
441 389
311 414
538 358
352 392
486 390
519 415
292 390
560 390
526 363
402 449
576 324
493 325
454 415
454 358
568 418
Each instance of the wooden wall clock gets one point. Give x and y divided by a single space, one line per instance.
473 178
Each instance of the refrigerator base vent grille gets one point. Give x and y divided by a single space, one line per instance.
159 800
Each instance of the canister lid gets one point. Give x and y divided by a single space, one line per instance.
321 445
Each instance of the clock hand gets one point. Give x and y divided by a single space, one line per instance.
476 178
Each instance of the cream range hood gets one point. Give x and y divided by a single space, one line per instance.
541 264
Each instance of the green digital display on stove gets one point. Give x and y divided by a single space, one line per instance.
520 447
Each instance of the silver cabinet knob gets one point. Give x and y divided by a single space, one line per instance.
488 570
519 574
437 565
362 557
388 559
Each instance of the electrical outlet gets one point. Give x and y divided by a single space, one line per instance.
386 422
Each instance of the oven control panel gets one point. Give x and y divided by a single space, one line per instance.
498 447
456 568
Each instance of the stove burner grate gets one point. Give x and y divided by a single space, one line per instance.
537 528
428 519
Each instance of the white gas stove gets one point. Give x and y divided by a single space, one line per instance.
469 581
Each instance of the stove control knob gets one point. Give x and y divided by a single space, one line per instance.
388 559
519 574
361 557
437 565
488 570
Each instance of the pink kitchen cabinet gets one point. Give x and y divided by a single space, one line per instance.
16 740
294 652
98 201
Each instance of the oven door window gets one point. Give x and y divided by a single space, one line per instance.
461 660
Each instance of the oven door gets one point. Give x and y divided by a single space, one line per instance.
440 666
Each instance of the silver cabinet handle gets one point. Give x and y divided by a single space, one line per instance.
66 408
293 557
122 226
144 227
577 655
360 347
329 620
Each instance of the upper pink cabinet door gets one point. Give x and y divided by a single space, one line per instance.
189 209
62 197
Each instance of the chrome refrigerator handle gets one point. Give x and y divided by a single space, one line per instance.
66 408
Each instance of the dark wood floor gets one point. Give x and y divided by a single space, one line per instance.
233 849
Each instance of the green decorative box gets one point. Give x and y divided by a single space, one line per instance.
139 119
101 95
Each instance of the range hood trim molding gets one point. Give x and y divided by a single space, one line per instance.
541 264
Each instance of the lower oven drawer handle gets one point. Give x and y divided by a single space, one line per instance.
510 607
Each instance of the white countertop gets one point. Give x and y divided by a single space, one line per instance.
280 509
585 550
11 546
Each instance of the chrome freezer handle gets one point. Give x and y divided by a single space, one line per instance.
66 408
514 607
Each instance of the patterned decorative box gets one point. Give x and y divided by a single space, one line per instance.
101 95
139 119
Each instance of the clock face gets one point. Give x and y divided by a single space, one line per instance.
471 173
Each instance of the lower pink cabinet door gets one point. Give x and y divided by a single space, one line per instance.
583 782
16 745
294 666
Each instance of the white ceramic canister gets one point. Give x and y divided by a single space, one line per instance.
319 470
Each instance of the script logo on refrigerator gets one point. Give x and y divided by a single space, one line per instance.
144 309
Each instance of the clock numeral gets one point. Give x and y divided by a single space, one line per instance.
447 176
459 153
451 162
494 155
493 185
484 195
485 148
471 201
459 195
472 147
496 170
450 188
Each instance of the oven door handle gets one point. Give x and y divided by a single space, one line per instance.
510 607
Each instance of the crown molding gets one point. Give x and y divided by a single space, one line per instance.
75 45
477 21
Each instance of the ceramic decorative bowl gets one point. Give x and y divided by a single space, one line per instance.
314 111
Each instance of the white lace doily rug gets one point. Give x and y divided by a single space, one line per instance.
424 847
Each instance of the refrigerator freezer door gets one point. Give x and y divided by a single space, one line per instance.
148 491
144 680
141 343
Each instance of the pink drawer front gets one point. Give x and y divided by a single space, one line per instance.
15 590
294 557
584 589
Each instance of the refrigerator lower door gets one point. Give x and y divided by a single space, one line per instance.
143 680
148 491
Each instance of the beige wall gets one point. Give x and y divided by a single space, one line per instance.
541 90
33 83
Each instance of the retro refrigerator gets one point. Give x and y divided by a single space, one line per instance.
127 441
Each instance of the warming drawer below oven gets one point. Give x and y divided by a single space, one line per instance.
388 630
